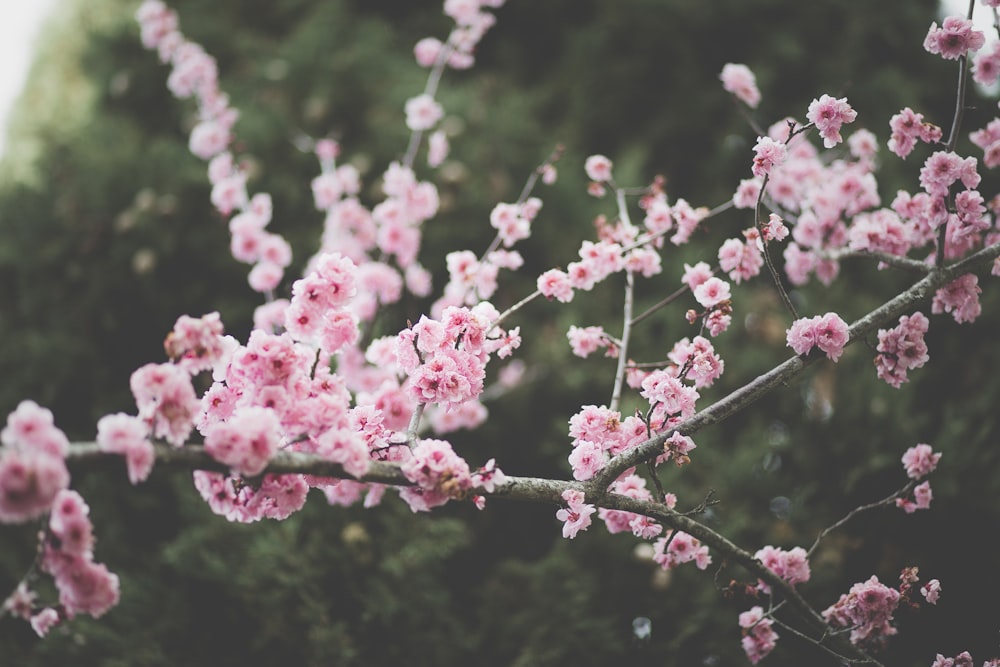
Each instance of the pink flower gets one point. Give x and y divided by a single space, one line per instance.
828 332
931 591
576 515
586 459
44 621
437 148
29 483
129 436
960 298
741 82
867 610
586 340
598 168
427 50
901 349
768 154
740 260
828 115
422 112
954 38
920 461
759 637
712 292
246 441
439 473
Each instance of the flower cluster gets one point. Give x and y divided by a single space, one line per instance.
195 73
954 38
677 548
759 637
960 298
907 127
792 565
439 474
576 515
919 461
32 463
902 348
599 432
827 332
866 609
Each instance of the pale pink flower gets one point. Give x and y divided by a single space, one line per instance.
586 340
128 436
741 82
586 459
867 610
598 168
954 38
759 637
427 51
576 515
931 591
960 298
920 461
422 112
768 154
828 114
44 620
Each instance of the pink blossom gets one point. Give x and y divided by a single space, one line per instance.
920 461
901 349
712 292
586 340
960 298
740 260
907 126
931 591
828 115
677 548
427 51
747 193
598 168
954 38
792 566
196 344
768 154
128 436
166 400
828 332
867 610
741 82
759 637
31 428
774 229
576 515
246 441
44 620
586 459
439 473
422 112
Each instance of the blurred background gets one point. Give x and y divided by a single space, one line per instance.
107 235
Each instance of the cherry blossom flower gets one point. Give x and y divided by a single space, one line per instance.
576 515
741 82
954 38
828 115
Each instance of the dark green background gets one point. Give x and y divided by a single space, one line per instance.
634 80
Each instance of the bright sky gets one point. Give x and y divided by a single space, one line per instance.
19 23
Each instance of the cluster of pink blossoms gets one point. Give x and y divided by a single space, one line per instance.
963 659
677 548
919 461
954 38
194 73
866 609
759 637
960 298
827 332
32 463
907 127
791 565
34 481
902 348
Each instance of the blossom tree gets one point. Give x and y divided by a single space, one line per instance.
319 401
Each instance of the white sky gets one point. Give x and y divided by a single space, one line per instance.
19 23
